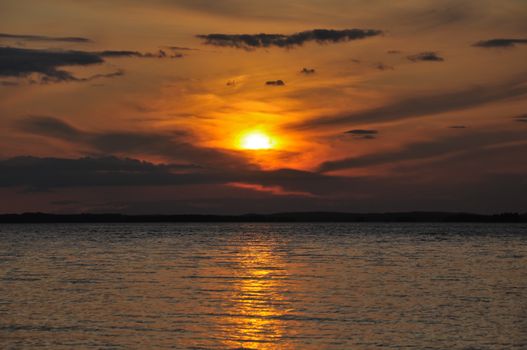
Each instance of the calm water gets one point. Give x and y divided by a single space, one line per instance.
263 286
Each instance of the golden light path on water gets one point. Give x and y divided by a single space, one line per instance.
255 321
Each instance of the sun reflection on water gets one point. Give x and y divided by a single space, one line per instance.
258 304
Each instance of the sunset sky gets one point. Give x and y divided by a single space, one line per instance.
237 106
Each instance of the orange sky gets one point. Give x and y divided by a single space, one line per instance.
428 112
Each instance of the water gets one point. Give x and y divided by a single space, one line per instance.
263 286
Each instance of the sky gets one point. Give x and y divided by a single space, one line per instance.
245 106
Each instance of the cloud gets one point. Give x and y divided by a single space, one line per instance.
47 173
181 48
500 43
124 53
308 71
118 73
16 62
51 127
320 36
188 163
44 38
275 190
293 180
363 134
275 83
161 54
174 146
426 105
521 118
366 137
444 147
83 179
21 62
457 127
428 56
39 174
120 53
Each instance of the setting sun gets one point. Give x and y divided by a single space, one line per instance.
256 141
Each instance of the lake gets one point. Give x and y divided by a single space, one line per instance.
263 286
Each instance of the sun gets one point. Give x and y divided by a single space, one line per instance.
256 140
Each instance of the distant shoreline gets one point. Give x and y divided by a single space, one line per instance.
267 218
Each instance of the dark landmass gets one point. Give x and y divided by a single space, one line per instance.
278 217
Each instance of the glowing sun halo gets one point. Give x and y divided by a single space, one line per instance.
256 141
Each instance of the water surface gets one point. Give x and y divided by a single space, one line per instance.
263 286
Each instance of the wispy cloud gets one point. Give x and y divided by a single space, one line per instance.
428 56
22 37
521 118
363 134
445 146
426 105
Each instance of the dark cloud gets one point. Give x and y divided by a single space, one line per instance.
181 48
298 180
428 56
20 62
457 127
122 53
308 71
500 43
70 179
16 62
275 83
71 78
363 134
426 105
444 147
160 54
174 146
44 38
321 36
521 118
39 174
51 127
118 73
393 52
47 173
366 137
